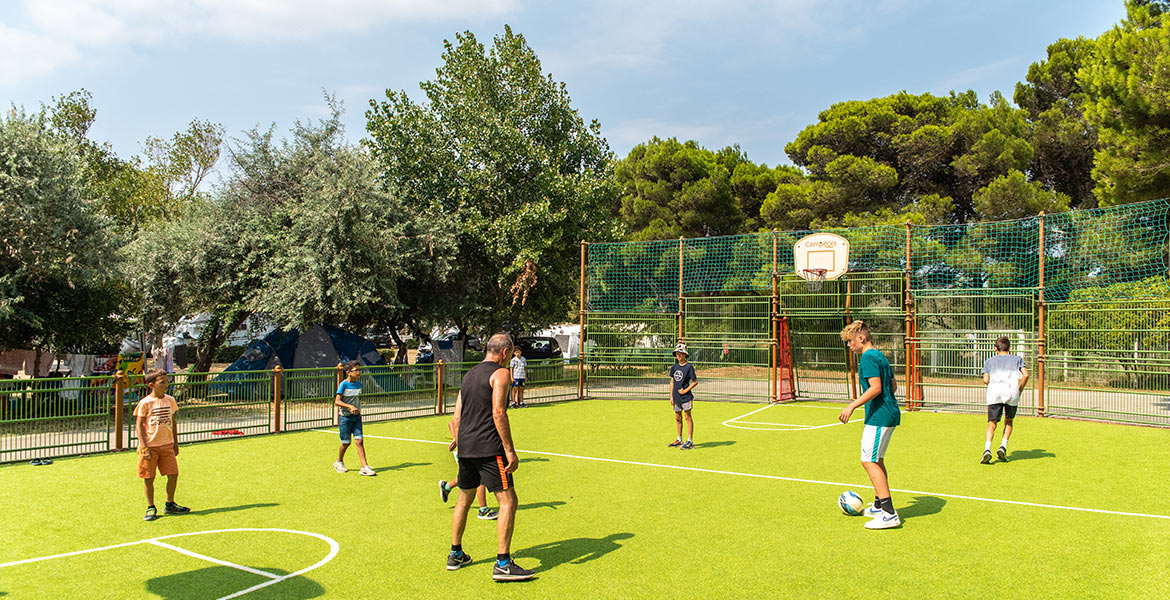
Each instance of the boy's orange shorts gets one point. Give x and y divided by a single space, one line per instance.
161 458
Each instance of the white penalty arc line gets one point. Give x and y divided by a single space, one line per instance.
794 479
274 579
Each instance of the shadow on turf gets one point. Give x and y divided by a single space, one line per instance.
574 550
553 505
1015 455
714 444
221 581
212 511
405 465
922 506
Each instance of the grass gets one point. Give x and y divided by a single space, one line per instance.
611 529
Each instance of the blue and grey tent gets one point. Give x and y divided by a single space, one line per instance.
323 346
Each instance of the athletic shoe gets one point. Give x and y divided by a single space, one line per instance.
687 446
444 491
1001 453
45 461
511 572
366 470
174 509
151 514
884 521
487 514
674 444
454 562
986 457
872 511
36 462
340 467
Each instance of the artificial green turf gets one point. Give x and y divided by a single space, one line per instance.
605 529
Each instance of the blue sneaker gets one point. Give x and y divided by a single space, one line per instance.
687 446
444 491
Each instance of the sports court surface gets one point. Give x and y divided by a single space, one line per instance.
607 510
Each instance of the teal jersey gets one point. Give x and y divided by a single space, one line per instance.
883 410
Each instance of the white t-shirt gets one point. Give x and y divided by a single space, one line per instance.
519 368
1003 378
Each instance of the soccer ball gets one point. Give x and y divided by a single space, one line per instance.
850 503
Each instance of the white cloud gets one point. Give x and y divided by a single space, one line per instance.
59 32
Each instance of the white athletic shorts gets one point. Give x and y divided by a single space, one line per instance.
1003 393
874 441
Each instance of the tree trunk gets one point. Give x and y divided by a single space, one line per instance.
207 345
401 357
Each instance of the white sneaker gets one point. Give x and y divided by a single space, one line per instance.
340 467
872 511
884 521
366 470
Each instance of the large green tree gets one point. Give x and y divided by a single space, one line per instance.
498 148
1129 105
58 288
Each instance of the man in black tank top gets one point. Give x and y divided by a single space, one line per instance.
486 455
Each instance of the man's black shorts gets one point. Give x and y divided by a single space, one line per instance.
995 410
486 471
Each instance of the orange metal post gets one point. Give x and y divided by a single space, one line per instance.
908 329
277 389
338 378
581 331
439 404
119 410
775 318
681 308
1042 342
850 359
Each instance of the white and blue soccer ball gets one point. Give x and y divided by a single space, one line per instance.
850 503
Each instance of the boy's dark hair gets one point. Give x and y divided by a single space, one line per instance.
1003 344
353 364
152 375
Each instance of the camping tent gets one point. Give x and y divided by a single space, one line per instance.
323 346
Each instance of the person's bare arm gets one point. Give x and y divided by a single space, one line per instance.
500 382
454 424
175 428
1024 379
986 378
337 401
140 429
875 388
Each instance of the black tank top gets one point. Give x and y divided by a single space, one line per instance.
478 437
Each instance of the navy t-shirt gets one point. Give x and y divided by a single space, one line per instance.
681 376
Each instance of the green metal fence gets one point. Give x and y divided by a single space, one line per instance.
43 418
1083 296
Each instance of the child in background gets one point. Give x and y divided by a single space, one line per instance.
158 444
519 374
348 398
682 382
445 487
1005 376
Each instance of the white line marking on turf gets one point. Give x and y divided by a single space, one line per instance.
212 560
274 579
736 422
792 479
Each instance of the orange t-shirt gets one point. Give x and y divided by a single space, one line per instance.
160 419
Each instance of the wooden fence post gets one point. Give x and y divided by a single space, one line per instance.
439 404
119 410
277 390
1042 341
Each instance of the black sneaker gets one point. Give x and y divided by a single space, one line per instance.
174 509
151 514
687 446
986 457
1001 453
455 561
444 491
674 444
511 572
488 514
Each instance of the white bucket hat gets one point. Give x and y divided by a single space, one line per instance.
681 348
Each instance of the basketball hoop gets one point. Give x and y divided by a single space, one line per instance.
815 278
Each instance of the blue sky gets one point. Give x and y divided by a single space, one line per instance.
719 72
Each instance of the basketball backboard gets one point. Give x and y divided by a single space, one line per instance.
821 256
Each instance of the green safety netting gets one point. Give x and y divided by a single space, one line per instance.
1109 252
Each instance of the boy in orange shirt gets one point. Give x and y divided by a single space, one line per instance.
158 446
